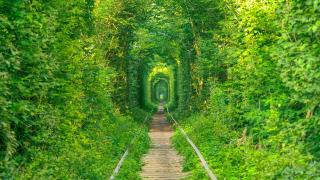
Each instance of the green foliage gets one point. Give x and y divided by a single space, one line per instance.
259 61
58 83
298 51
233 154
132 165
74 75
84 154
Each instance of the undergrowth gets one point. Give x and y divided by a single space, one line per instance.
233 155
91 153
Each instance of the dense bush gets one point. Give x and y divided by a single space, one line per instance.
264 90
57 114
234 153
91 153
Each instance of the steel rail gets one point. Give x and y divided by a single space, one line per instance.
195 148
118 167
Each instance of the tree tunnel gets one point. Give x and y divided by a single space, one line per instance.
159 85
160 91
159 66
161 79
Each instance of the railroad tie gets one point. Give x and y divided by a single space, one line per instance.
162 161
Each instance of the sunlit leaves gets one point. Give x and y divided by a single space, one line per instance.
56 87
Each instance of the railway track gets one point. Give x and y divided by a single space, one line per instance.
162 161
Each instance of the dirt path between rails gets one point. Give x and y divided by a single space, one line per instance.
162 161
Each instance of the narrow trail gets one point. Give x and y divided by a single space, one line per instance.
162 161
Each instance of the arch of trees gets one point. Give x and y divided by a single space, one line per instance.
158 74
161 90
79 75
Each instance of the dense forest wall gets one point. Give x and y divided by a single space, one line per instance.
63 83
259 60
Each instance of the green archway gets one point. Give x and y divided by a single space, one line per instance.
160 91
160 86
